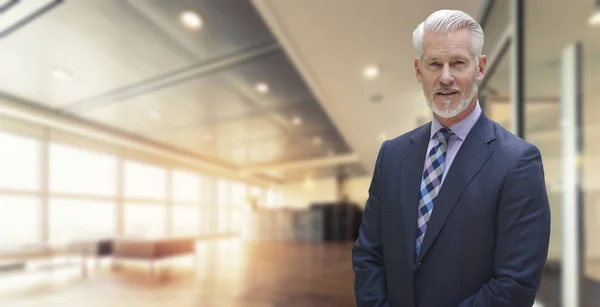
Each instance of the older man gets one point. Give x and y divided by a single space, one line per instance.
457 213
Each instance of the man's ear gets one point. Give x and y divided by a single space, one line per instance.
418 71
482 67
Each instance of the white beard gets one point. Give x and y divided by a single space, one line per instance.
448 112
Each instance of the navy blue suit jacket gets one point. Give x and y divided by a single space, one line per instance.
487 240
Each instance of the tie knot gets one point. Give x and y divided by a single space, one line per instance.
444 135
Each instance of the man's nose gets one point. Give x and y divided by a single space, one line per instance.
446 77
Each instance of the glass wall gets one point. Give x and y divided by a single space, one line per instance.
56 191
80 219
19 221
19 163
83 172
20 158
543 111
545 41
186 203
591 153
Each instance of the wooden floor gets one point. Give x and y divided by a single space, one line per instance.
231 274
250 274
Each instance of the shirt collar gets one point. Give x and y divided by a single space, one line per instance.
462 128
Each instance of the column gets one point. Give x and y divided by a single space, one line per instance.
572 146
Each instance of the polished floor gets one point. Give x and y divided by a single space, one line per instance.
231 274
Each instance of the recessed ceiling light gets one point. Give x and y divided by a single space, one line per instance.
191 20
297 121
61 74
595 19
317 140
371 71
262 87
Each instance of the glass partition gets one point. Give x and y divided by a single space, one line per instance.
79 171
19 162
80 219
145 181
19 221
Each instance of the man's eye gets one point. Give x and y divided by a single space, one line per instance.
435 64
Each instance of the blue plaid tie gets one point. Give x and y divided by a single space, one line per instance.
431 183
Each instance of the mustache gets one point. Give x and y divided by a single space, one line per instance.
445 88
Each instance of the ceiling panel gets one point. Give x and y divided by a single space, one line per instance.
305 118
225 90
256 141
219 97
285 86
192 104
83 48
246 130
228 26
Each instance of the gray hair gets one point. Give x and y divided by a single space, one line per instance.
444 21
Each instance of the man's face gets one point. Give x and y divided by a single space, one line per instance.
449 72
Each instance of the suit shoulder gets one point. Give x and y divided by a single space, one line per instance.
511 145
398 145
402 140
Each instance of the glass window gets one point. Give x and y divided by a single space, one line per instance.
224 206
224 220
145 221
208 194
238 220
75 219
224 190
19 221
145 181
19 162
239 195
208 220
185 220
186 187
76 170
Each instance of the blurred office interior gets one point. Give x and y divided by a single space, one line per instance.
219 152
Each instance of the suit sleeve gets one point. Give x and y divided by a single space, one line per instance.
522 237
367 257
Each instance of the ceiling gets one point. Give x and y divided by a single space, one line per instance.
357 33
132 65
225 91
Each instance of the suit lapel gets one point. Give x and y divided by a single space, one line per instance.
472 155
412 169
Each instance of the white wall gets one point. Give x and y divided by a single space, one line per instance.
301 194
358 189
